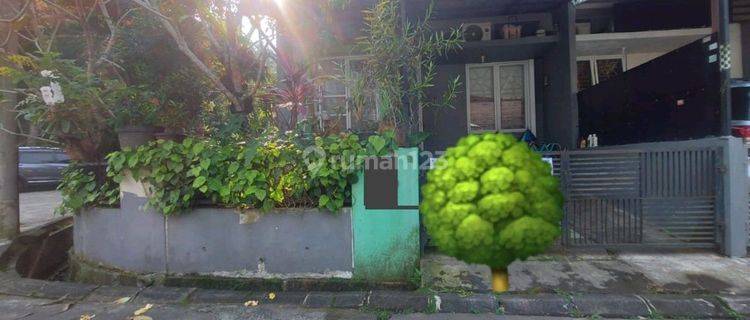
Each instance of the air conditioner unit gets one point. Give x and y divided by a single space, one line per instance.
477 31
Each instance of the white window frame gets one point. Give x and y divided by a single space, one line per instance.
529 91
595 69
347 61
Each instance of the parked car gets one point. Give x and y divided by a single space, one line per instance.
40 166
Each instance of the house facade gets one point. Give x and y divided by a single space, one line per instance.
524 62
632 71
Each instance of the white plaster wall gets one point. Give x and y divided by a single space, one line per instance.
633 60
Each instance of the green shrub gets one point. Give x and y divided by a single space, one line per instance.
79 191
276 172
491 200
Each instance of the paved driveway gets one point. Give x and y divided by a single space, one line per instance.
38 208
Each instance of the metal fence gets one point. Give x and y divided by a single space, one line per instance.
626 197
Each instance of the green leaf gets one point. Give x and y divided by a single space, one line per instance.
234 167
260 194
377 143
132 161
205 163
199 182
323 201
198 148
224 191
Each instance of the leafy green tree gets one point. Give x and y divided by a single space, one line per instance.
491 200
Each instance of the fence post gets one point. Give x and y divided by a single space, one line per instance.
564 168
734 201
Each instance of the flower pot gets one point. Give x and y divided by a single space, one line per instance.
135 136
500 281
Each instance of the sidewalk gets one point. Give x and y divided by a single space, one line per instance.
36 299
30 308
601 272
37 208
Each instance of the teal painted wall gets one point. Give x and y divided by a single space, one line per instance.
386 242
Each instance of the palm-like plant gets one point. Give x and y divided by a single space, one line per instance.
294 91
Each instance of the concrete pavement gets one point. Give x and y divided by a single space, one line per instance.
600 272
37 208
35 299
12 308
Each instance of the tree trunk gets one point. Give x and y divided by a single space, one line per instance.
9 214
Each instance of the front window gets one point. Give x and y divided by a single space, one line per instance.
500 97
345 103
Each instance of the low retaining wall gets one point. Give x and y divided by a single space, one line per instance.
295 243
366 244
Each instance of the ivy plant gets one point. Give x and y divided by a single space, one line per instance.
268 173
80 190
164 167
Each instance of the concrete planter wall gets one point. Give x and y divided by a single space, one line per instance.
372 245
220 242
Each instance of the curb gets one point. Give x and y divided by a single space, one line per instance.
549 305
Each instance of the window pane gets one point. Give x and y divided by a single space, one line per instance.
62 158
333 113
333 83
512 97
36 157
608 68
584 75
481 99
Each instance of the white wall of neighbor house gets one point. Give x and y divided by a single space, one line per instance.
635 59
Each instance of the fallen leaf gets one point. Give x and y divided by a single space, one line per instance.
121 300
251 303
141 318
87 316
143 310
271 296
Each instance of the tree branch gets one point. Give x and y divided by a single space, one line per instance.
58 7
19 13
185 49
112 33
28 136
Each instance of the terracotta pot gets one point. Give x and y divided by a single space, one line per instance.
134 136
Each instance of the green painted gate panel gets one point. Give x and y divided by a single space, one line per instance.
386 242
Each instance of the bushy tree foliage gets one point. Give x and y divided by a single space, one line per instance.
491 200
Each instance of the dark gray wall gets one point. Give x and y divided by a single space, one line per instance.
561 105
446 125
745 27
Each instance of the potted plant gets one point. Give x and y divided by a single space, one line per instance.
134 115
491 200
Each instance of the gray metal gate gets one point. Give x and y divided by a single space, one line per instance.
621 197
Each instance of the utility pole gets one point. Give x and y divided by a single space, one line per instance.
9 212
